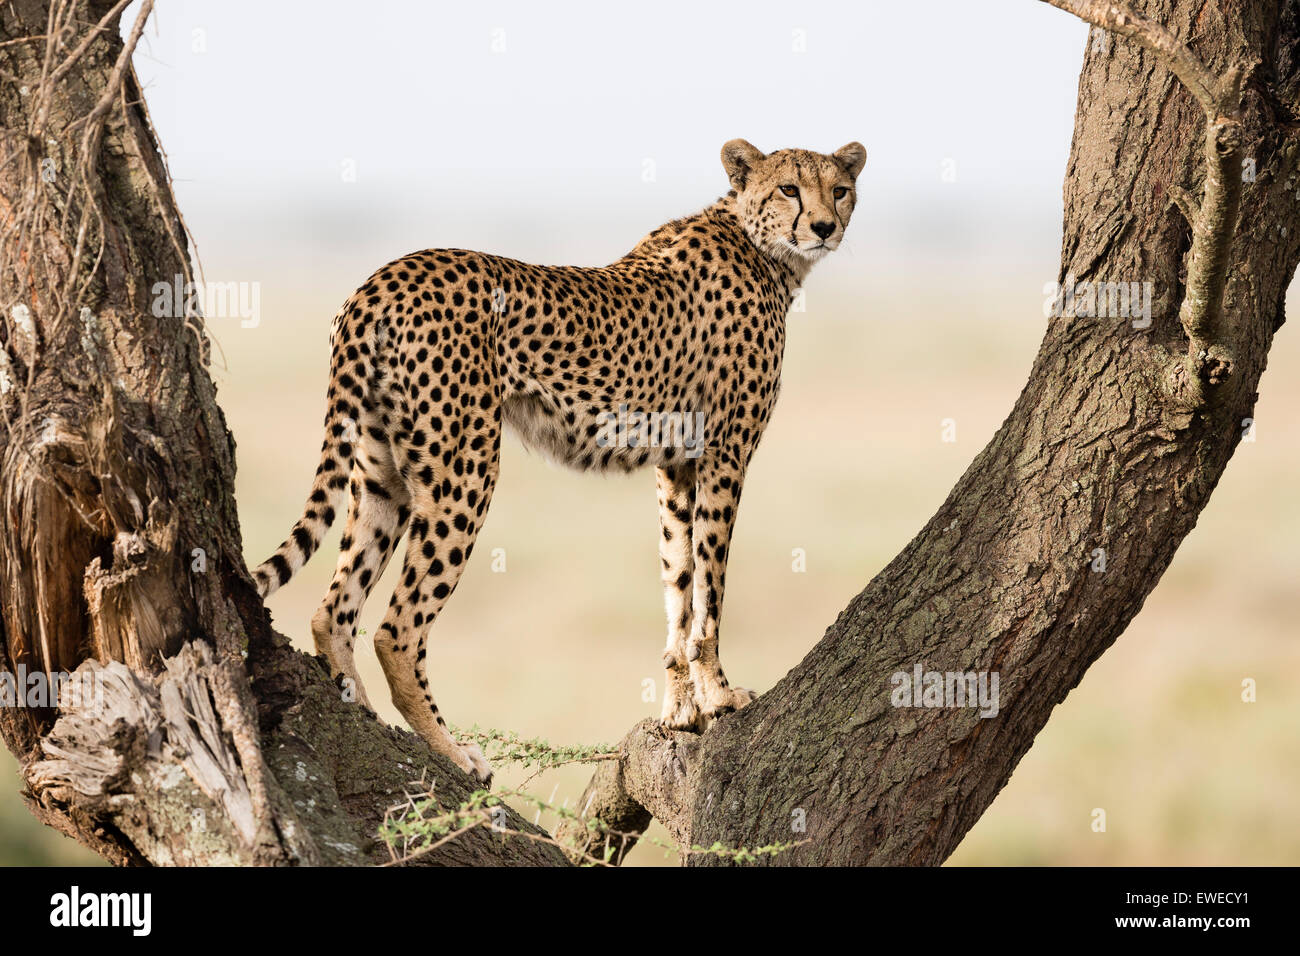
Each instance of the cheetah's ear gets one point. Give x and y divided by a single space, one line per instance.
852 157
738 158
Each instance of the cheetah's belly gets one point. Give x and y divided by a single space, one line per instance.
604 436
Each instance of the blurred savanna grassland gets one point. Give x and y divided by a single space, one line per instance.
932 310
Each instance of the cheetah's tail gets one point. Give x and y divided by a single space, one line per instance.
328 494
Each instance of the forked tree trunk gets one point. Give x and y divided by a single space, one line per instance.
116 466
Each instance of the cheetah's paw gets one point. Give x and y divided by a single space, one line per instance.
720 701
681 713
470 759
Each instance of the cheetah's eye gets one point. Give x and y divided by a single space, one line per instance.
839 192
790 190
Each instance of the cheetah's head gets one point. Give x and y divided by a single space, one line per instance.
794 203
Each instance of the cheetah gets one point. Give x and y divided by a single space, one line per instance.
669 357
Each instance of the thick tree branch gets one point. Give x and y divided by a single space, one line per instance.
652 778
1096 459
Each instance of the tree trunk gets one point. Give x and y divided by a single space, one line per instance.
121 540
120 551
1109 449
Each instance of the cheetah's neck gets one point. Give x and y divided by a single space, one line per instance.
787 273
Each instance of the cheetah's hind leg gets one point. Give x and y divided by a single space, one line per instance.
378 512
447 510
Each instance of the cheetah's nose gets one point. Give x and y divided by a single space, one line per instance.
823 229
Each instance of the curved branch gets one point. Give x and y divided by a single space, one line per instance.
1172 52
1210 350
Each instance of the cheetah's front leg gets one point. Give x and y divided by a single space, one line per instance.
719 475
676 493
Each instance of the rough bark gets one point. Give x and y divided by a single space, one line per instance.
116 464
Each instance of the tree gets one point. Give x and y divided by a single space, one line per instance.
120 553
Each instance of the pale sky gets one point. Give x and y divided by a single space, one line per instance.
565 131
